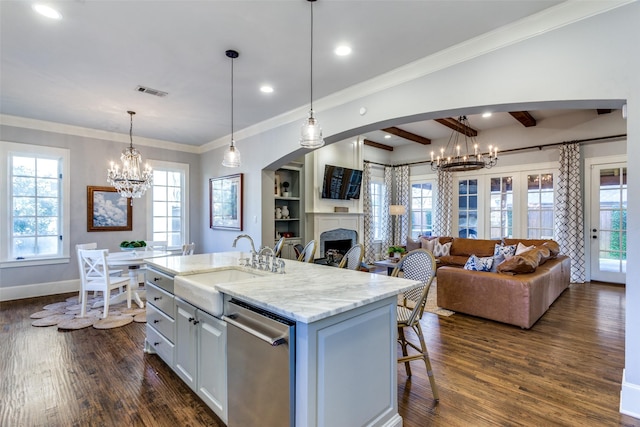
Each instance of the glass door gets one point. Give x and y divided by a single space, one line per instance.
608 228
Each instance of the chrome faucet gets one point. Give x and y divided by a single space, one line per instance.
265 263
246 236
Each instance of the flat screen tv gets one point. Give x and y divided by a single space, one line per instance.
341 183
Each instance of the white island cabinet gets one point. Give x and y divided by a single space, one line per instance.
345 333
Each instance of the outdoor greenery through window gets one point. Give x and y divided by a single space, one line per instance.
613 219
377 204
36 187
501 207
421 209
168 208
540 206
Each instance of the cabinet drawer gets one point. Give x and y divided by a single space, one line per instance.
159 279
161 299
160 321
162 346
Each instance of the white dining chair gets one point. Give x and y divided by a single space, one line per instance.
188 248
85 246
308 252
95 277
156 245
353 258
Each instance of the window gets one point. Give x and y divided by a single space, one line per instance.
540 202
421 209
501 207
37 210
468 208
378 194
169 211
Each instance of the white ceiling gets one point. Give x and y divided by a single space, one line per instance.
83 70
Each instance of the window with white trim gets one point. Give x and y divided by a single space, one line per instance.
468 208
501 207
167 203
422 193
378 194
540 206
36 205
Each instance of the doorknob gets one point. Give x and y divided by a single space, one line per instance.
595 230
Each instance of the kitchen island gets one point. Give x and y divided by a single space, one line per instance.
344 369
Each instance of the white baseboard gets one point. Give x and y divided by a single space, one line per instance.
630 398
39 289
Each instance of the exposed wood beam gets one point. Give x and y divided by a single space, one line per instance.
407 135
603 111
454 124
378 145
524 117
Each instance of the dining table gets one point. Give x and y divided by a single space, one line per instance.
134 260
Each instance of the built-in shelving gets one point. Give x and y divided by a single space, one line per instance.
288 199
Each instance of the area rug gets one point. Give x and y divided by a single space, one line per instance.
66 315
432 306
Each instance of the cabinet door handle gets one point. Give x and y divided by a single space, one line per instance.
156 298
155 279
195 322
156 321
157 343
191 319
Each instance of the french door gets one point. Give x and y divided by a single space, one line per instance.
608 222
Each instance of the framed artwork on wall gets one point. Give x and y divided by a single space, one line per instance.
107 210
225 202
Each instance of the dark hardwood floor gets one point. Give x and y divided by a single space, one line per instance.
565 371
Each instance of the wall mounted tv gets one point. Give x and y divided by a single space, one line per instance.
341 183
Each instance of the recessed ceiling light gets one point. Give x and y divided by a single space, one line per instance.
47 11
266 89
387 136
487 114
342 50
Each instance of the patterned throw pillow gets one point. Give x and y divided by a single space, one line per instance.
441 250
429 245
504 250
497 260
475 263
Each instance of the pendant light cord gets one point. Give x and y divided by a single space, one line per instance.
232 100
311 50
131 113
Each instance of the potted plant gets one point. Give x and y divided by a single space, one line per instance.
285 191
396 251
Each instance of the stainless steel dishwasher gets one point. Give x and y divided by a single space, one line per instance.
261 367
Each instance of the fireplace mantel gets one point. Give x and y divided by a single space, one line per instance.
326 221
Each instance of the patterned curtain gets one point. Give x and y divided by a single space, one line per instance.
569 218
369 232
443 215
402 192
385 217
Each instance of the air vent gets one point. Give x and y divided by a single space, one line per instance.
150 91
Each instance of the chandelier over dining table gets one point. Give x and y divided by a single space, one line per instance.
131 181
462 152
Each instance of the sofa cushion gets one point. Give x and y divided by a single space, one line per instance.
497 260
413 244
553 247
523 248
518 264
475 263
441 249
429 244
479 247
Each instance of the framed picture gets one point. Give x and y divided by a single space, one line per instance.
225 207
107 210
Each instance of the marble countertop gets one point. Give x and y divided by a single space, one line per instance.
306 292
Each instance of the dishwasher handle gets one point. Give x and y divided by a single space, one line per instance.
272 341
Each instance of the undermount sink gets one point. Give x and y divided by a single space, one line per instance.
199 289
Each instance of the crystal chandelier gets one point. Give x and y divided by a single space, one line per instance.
459 156
311 132
131 182
231 157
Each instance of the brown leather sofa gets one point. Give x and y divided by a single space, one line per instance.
509 296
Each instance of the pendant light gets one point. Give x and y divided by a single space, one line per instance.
311 132
232 155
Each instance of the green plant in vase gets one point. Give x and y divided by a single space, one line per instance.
396 251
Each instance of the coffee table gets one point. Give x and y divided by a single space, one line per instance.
391 265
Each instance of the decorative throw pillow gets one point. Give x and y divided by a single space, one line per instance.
504 250
475 263
429 244
497 260
522 248
441 250
412 244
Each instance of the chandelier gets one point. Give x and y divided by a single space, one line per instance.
131 182
459 155
311 132
231 157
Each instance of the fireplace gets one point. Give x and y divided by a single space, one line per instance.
339 239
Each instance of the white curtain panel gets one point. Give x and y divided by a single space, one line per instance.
369 232
387 235
569 217
443 215
402 192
